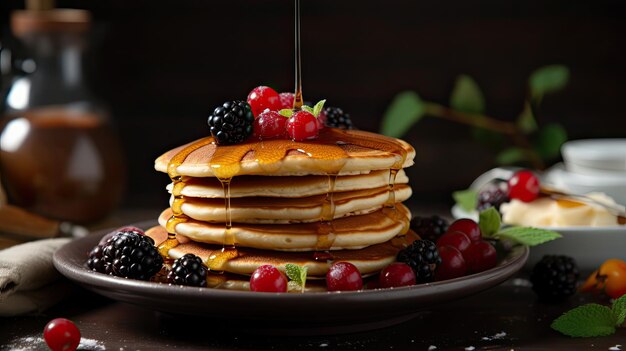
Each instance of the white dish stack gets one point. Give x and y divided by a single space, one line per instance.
591 165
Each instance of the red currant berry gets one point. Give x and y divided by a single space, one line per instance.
480 256
61 335
343 276
524 186
452 263
302 126
268 278
396 275
458 240
286 100
270 124
467 227
263 97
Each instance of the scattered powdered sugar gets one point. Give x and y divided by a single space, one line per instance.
32 343
497 336
617 347
470 348
432 347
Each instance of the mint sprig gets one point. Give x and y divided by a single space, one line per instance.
318 108
315 110
592 319
490 224
466 199
297 276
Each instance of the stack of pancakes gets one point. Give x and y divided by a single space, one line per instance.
337 198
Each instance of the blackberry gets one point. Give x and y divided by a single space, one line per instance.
423 257
554 278
95 261
336 118
128 254
429 228
231 123
493 194
188 270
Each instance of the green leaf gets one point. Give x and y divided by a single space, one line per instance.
318 108
528 236
526 120
466 95
619 310
586 321
308 109
466 199
549 140
548 79
297 274
489 222
405 110
287 112
510 156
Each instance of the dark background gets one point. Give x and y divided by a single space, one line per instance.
163 65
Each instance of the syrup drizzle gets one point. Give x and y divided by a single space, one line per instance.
297 96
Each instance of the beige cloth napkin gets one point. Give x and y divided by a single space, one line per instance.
28 280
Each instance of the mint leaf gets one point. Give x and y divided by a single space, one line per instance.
619 310
489 222
405 110
510 156
308 109
526 120
318 108
548 79
467 96
585 321
466 199
528 236
287 112
297 274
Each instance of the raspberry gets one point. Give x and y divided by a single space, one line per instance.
336 118
492 194
423 257
302 126
61 335
261 98
268 278
127 254
524 186
188 270
270 124
554 277
429 228
231 123
343 276
286 100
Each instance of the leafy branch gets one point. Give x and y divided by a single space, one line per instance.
530 143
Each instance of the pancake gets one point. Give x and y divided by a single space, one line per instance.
286 187
334 152
353 232
289 210
369 260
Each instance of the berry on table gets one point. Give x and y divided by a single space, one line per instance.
467 227
286 100
336 118
188 270
302 125
343 276
268 278
429 228
270 124
524 186
61 335
128 255
610 278
452 264
458 240
423 258
261 98
492 194
554 277
480 256
396 275
231 123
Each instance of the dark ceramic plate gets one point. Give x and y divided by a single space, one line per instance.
318 313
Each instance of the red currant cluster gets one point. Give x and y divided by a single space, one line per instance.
266 102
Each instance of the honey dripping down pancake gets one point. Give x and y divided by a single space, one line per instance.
334 152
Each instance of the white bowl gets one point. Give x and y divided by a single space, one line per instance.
612 184
600 154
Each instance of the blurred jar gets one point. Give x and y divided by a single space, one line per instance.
58 154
